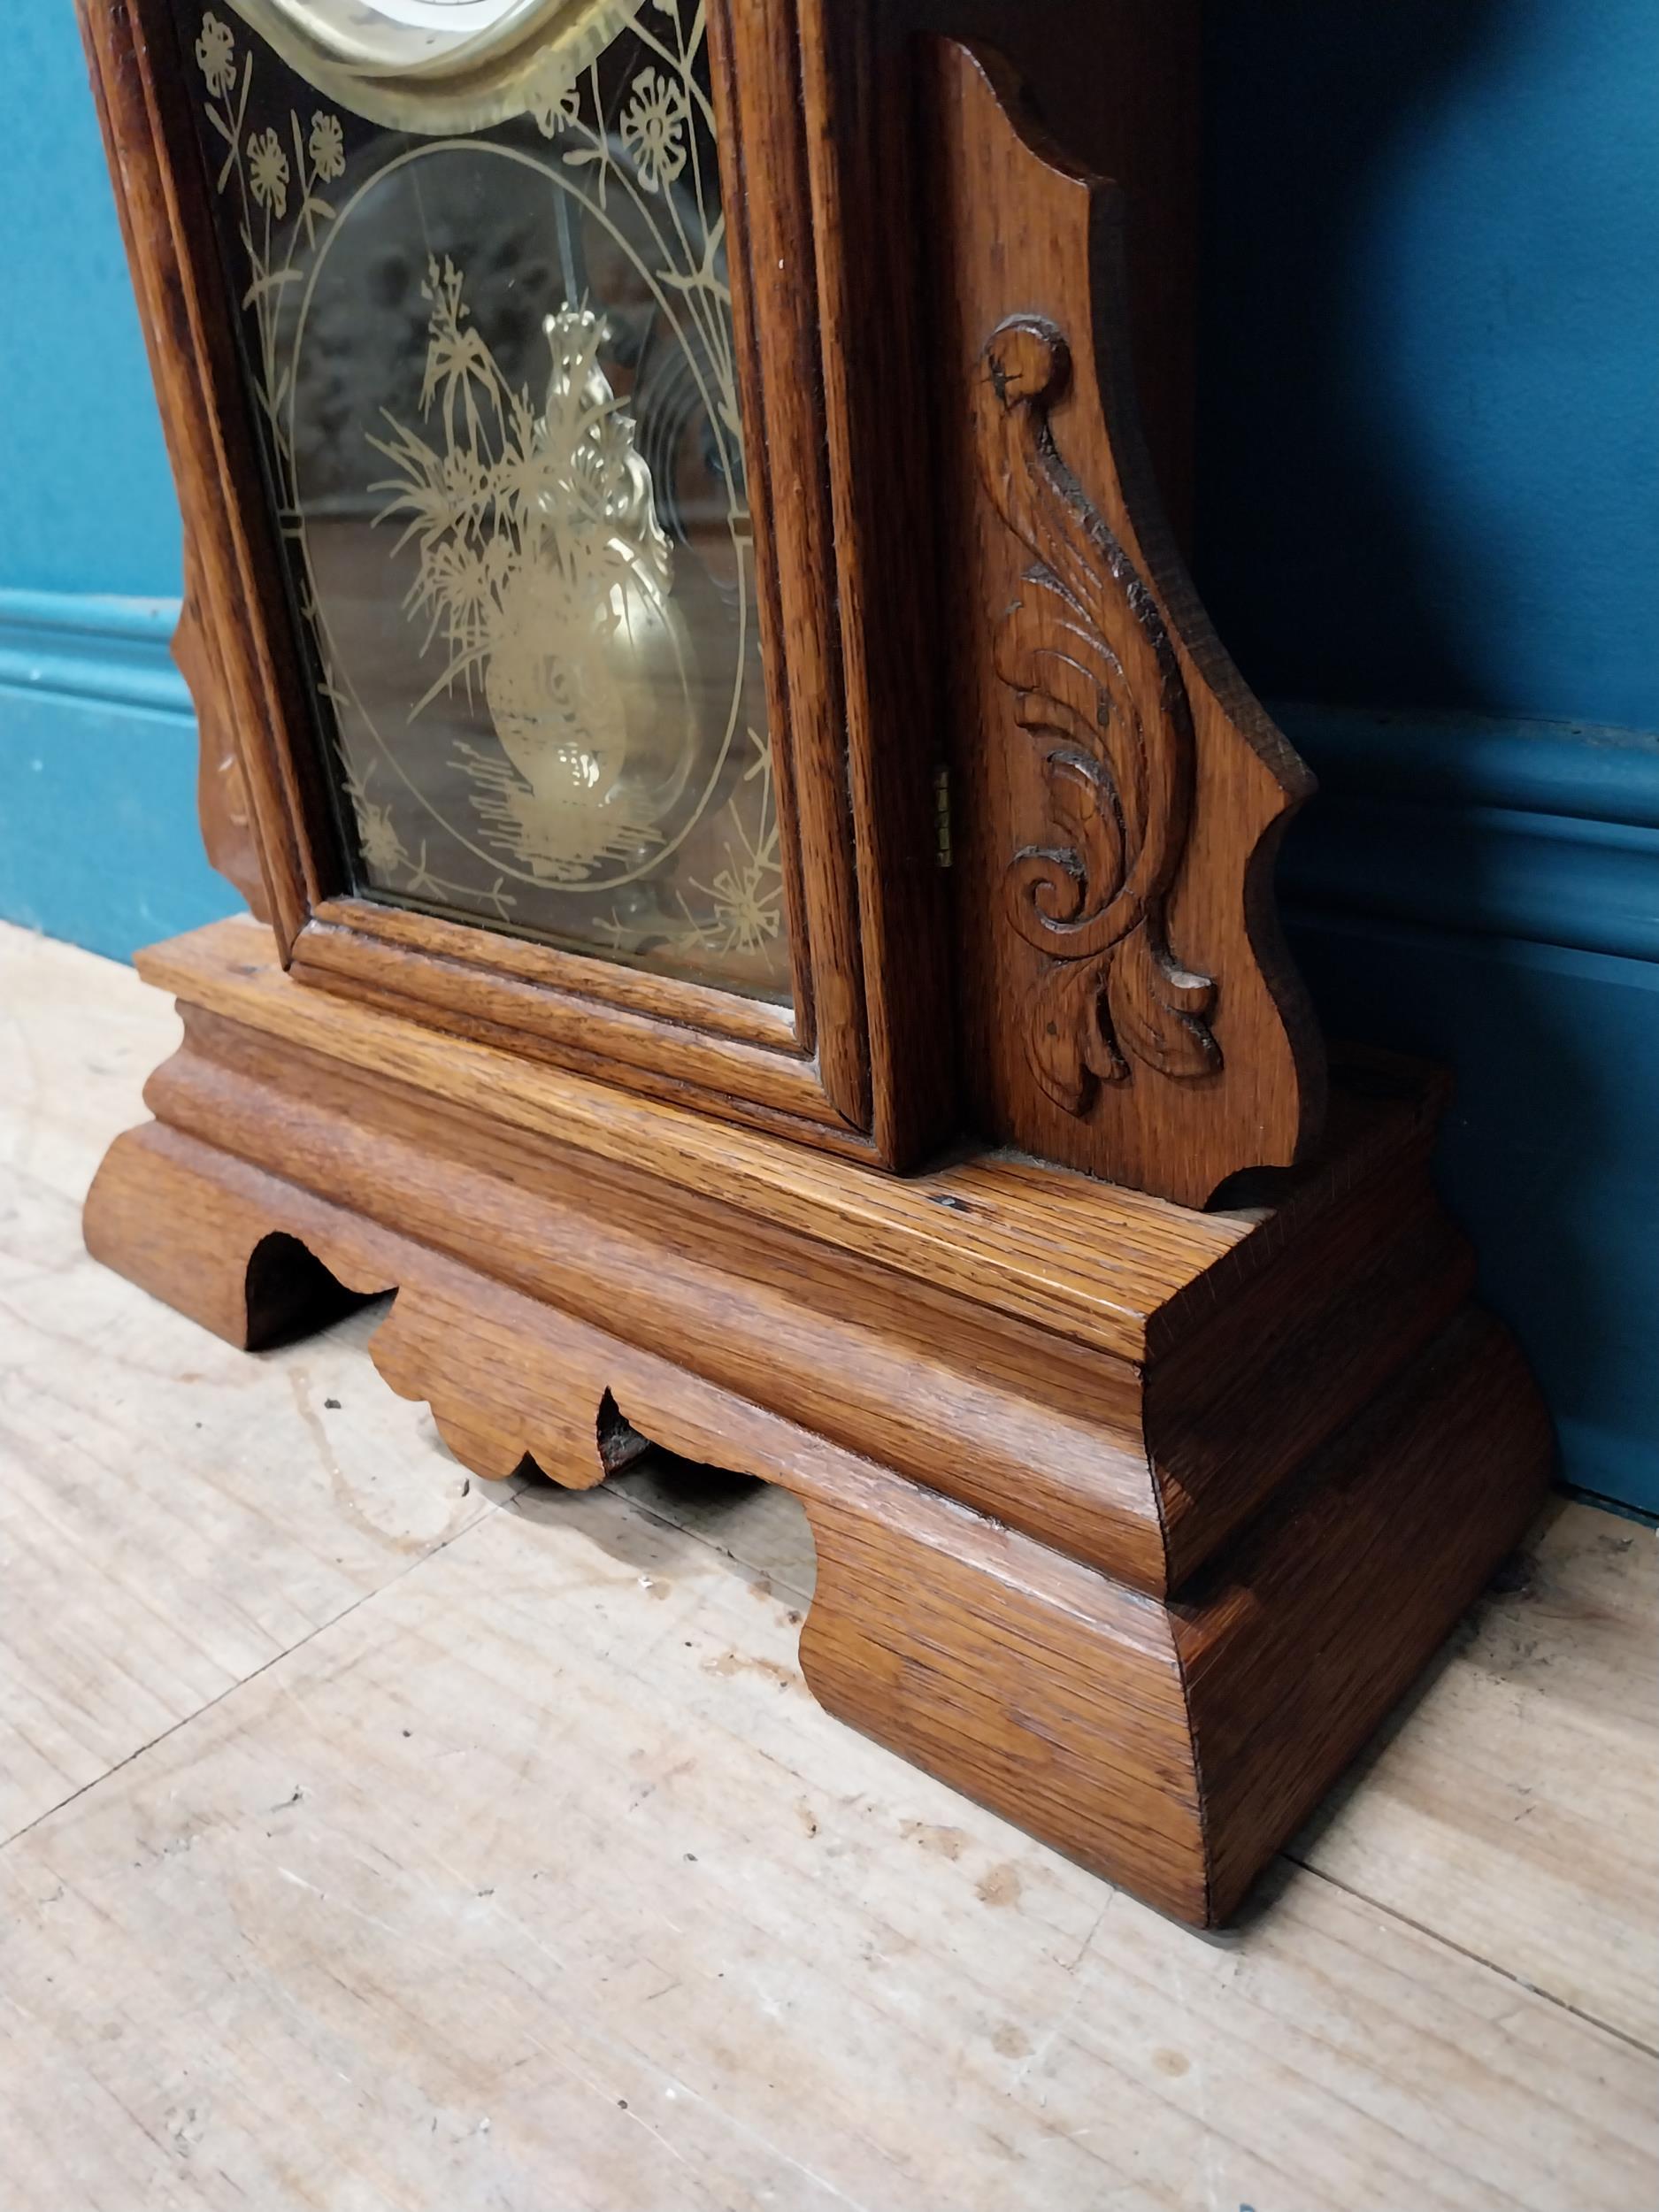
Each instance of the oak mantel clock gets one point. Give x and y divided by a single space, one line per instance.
761 873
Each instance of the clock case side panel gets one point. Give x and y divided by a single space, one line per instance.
1127 1004
261 828
1118 84
1120 81
856 1064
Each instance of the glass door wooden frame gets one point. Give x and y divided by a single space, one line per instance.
861 1060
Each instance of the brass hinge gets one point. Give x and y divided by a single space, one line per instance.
941 816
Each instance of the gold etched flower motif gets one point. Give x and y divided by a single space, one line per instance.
327 147
551 96
748 900
268 171
382 847
653 130
216 55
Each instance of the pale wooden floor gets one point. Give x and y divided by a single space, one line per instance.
377 1839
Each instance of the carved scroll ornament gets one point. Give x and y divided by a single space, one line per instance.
1096 682
1127 1006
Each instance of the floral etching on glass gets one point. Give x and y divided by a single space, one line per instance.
550 496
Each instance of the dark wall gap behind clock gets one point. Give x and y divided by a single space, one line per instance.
1427 526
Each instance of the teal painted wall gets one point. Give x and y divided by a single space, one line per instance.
1430 440
97 748
1429 531
1429 470
97 774
86 500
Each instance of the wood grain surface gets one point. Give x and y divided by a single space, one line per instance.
1171 1751
1128 1005
527 1821
967 1476
1118 1377
221 788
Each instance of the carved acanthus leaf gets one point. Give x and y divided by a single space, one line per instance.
1097 683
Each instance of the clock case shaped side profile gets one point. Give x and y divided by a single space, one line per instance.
1132 1518
1128 1004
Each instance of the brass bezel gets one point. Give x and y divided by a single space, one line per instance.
469 84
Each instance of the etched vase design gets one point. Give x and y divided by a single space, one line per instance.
588 679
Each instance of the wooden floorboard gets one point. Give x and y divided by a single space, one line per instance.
1513 1807
382 1839
174 1515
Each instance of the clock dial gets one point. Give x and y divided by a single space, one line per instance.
495 373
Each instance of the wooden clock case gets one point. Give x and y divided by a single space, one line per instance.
1126 1369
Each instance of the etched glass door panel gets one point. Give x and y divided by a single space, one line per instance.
486 319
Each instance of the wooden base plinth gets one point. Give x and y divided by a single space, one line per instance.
1131 1523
